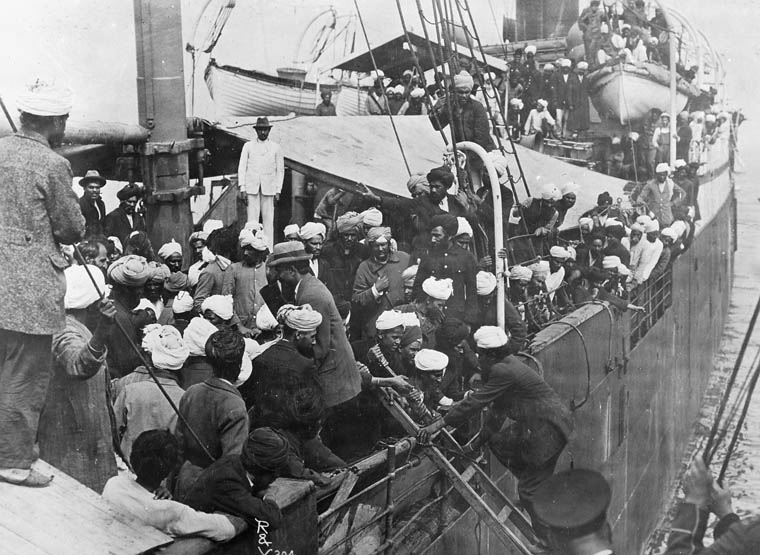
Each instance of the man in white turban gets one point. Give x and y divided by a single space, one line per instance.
244 280
539 219
430 307
171 254
408 277
527 423
661 194
313 235
218 309
539 121
79 372
140 405
470 116
39 209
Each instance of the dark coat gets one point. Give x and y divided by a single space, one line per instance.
224 487
343 267
470 122
459 265
615 248
94 216
566 92
366 275
39 210
580 117
117 224
274 296
281 379
336 367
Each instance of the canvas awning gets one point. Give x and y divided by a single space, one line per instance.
344 151
395 56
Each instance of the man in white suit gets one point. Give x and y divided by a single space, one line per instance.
260 174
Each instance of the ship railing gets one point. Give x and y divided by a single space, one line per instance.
655 295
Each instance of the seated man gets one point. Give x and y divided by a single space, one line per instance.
154 455
235 484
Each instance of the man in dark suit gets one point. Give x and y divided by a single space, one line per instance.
234 484
337 372
565 95
124 220
92 206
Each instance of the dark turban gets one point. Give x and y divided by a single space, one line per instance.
452 331
604 198
264 448
129 191
441 175
448 222
225 350
411 334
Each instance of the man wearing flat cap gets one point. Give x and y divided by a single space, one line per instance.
39 212
92 206
124 219
261 171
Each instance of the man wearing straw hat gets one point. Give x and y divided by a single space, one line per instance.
39 212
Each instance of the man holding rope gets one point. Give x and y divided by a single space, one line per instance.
40 210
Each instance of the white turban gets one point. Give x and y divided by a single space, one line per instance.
45 99
463 80
256 227
409 320
610 262
170 248
168 349
662 167
409 274
490 337
255 241
569 187
604 28
196 335
207 256
212 225
312 229
634 136
530 49
291 229
182 303
198 236
710 118
582 65
80 292
440 289
571 252
221 305
668 232
486 283
550 192
417 93
300 318
463 227
517 103
388 320
643 219
428 360
265 320
679 164
543 102
615 140
652 226
520 273
372 217
150 335
559 252
549 67
637 227
246 364
565 62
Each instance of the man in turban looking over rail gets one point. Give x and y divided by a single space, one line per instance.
235 484
449 261
527 425
39 212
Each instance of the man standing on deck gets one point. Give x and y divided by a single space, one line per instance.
124 219
260 175
39 212
92 205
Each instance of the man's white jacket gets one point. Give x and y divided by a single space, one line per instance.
261 167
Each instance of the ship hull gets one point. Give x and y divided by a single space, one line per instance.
627 93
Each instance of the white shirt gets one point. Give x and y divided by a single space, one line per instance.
171 517
444 204
131 220
535 119
647 259
314 265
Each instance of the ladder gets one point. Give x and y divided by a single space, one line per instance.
493 517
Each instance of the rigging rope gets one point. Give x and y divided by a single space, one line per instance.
374 65
7 115
148 366
710 447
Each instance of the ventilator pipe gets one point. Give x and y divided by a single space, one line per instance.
498 246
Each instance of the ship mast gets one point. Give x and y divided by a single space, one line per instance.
165 157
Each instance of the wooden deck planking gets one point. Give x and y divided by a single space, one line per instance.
67 517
